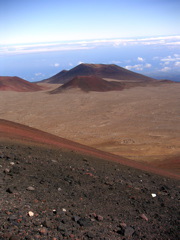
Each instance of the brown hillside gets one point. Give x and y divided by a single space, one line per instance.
17 84
111 71
15 131
90 83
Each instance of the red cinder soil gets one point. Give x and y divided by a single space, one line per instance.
17 84
22 132
171 164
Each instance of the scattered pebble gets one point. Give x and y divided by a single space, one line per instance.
54 211
9 190
153 195
43 231
30 188
99 218
129 232
30 213
90 174
76 218
84 222
46 224
143 216
123 225
54 161
128 209
6 170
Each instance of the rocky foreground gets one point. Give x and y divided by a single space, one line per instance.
56 194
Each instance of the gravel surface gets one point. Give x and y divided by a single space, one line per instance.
55 194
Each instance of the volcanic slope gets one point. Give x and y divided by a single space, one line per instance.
17 131
56 193
17 84
111 71
90 83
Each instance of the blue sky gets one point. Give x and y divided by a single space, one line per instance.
39 38
27 21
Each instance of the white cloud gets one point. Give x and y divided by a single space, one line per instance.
177 64
138 67
140 59
165 69
56 65
172 43
80 62
38 48
173 58
38 74
148 65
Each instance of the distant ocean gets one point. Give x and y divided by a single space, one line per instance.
154 57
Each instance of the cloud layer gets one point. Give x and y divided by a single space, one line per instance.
169 41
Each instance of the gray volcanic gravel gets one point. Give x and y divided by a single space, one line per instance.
57 194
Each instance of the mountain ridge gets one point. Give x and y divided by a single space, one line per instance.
111 71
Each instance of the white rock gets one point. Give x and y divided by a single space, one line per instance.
153 194
64 210
30 213
54 211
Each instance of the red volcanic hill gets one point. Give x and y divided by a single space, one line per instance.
17 84
90 83
99 70
17 132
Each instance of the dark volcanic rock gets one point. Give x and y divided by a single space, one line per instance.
129 232
107 205
9 190
85 222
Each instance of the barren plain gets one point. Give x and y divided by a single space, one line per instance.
140 123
